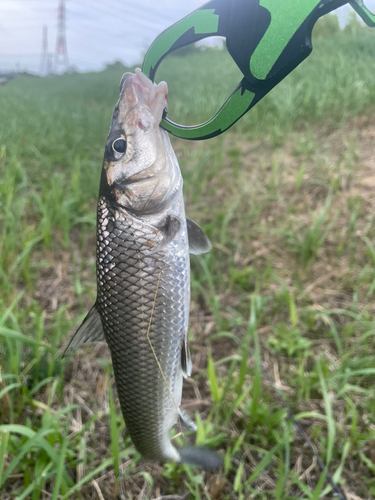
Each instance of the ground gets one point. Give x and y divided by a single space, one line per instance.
285 298
311 211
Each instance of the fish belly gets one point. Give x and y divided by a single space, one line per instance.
143 301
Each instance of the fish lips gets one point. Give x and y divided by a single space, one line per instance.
138 91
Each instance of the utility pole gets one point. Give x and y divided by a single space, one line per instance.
44 70
50 64
61 52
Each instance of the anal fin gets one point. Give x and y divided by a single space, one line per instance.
186 421
91 330
186 363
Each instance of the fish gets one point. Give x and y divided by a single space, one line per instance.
143 273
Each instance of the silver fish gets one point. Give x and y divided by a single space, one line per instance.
143 272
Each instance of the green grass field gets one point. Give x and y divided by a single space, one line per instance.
287 199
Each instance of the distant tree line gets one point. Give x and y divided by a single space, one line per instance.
329 25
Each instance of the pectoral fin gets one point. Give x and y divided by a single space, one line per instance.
186 363
198 241
91 330
169 227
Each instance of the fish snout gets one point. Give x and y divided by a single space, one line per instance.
150 99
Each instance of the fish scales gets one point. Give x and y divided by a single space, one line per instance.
143 272
136 286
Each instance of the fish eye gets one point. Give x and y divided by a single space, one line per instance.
119 147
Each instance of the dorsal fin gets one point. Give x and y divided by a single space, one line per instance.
91 330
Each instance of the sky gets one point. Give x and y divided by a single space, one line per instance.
96 34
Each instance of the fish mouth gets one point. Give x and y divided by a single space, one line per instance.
141 90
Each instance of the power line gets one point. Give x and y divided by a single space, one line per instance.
129 12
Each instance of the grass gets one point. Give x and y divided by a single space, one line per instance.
286 197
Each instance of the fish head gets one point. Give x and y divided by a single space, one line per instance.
140 169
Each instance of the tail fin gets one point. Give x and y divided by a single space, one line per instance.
200 457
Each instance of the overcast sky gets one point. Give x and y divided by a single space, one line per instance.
96 34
